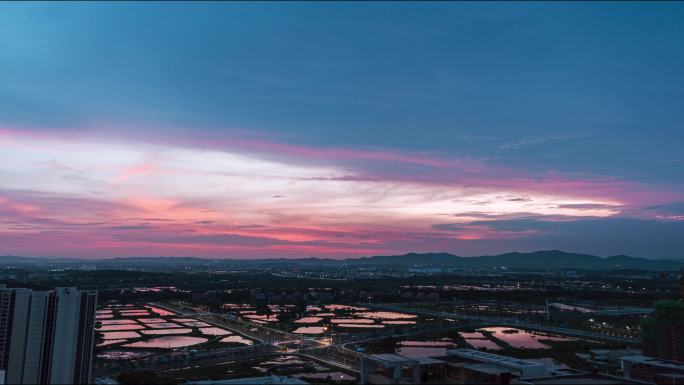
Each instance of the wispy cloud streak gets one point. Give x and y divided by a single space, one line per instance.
242 197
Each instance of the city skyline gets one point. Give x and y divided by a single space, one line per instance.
251 130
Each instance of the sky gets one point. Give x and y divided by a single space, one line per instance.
253 130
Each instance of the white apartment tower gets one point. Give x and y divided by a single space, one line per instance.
46 337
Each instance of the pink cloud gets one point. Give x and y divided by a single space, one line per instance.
137 222
384 165
138 170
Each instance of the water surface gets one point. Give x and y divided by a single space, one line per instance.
119 335
163 325
167 342
117 322
479 341
214 331
351 321
386 315
106 328
523 339
161 312
360 326
237 339
197 324
166 331
309 320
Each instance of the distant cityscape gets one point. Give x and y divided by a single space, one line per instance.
297 322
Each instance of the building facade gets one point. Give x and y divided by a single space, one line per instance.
663 331
46 337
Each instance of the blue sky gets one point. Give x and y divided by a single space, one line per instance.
572 103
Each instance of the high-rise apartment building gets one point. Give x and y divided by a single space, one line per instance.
663 331
46 337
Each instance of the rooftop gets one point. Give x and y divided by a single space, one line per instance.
392 359
486 369
266 380
581 379
645 360
493 358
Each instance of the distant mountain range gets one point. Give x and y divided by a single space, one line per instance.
547 259
538 260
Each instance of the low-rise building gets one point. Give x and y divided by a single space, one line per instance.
653 370
459 366
265 380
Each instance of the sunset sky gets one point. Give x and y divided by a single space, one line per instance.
248 130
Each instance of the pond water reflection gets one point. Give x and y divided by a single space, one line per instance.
119 335
168 342
479 341
106 328
160 312
237 339
387 315
523 339
166 331
309 320
214 331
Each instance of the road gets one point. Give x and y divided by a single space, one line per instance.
505 321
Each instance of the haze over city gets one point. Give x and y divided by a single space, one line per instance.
254 130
